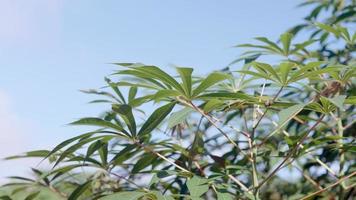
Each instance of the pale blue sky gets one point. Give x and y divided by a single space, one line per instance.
49 49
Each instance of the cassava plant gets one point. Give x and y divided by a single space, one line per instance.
253 130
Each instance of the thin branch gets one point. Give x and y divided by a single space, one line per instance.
243 187
129 181
330 186
307 177
291 152
326 167
160 155
264 113
210 119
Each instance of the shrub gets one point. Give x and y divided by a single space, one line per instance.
253 130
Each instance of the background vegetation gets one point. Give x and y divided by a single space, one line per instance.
253 130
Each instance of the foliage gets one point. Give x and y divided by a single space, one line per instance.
253 130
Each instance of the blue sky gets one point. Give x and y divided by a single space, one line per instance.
51 49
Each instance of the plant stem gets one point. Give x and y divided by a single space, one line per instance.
148 149
210 119
291 152
252 144
330 186
129 181
244 188
342 156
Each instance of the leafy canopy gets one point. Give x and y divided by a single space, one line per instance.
236 133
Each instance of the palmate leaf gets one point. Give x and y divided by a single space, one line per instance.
79 158
67 142
303 71
267 70
156 73
78 145
270 47
142 76
285 69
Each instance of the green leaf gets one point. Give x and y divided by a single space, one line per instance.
197 186
179 117
273 46
144 161
141 76
79 190
154 180
338 101
124 154
329 29
29 154
186 76
209 81
157 73
62 171
227 96
66 142
351 100
287 114
92 121
256 74
264 68
156 118
224 196
123 196
212 104
303 71
94 147
165 93
103 153
32 195
286 41
116 89
159 196
132 93
76 146
125 112
198 144
285 69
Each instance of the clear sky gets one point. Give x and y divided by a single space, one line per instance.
49 49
